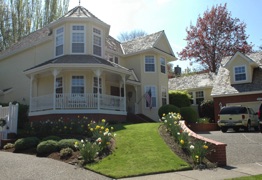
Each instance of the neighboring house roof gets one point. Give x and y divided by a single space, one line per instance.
141 43
223 86
195 81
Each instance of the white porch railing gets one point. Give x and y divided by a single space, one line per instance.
76 101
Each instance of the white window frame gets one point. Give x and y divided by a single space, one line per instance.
199 97
58 86
84 38
164 95
114 59
146 62
77 85
98 86
153 95
163 66
195 97
236 73
97 33
59 34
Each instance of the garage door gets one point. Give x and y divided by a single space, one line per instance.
254 105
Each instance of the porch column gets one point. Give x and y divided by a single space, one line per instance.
31 92
124 82
136 104
98 74
55 73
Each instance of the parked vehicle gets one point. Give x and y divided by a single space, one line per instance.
237 117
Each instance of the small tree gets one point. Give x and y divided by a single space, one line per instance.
215 36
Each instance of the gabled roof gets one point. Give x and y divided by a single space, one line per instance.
189 82
223 86
247 58
141 43
113 45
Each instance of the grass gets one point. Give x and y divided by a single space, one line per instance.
256 177
139 150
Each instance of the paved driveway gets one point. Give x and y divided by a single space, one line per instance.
242 147
15 166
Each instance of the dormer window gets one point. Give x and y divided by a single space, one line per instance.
240 73
78 39
113 59
97 42
59 42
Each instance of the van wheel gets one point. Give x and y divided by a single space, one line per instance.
256 128
223 129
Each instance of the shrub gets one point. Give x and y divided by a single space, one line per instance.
66 152
47 147
165 109
55 138
179 98
26 143
88 150
207 109
188 114
9 146
67 143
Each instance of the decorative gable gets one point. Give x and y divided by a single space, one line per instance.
240 68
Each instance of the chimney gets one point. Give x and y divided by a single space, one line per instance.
177 70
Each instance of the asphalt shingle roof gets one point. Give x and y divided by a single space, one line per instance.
194 81
141 43
223 86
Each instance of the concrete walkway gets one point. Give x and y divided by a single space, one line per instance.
27 167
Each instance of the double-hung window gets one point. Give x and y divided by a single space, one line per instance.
97 42
113 59
97 85
59 41
78 86
149 64
150 96
163 65
199 97
59 85
164 96
240 73
78 39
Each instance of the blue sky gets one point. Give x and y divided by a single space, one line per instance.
172 16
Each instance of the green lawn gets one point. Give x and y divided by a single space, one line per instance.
256 177
139 150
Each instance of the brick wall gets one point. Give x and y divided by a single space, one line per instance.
218 153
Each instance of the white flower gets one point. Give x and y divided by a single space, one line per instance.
178 133
82 141
192 147
165 121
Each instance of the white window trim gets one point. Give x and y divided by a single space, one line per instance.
145 64
165 88
162 65
71 38
63 41
71 81
194 96
114 58
99 35
239 81
145 90
62 83
98 84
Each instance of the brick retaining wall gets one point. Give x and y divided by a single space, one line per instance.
218 153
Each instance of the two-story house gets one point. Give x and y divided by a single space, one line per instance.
238 82
74 67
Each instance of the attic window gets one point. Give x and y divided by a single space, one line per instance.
240 73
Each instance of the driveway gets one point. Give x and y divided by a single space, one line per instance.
27 167
242 147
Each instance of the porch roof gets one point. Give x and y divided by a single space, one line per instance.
77 59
